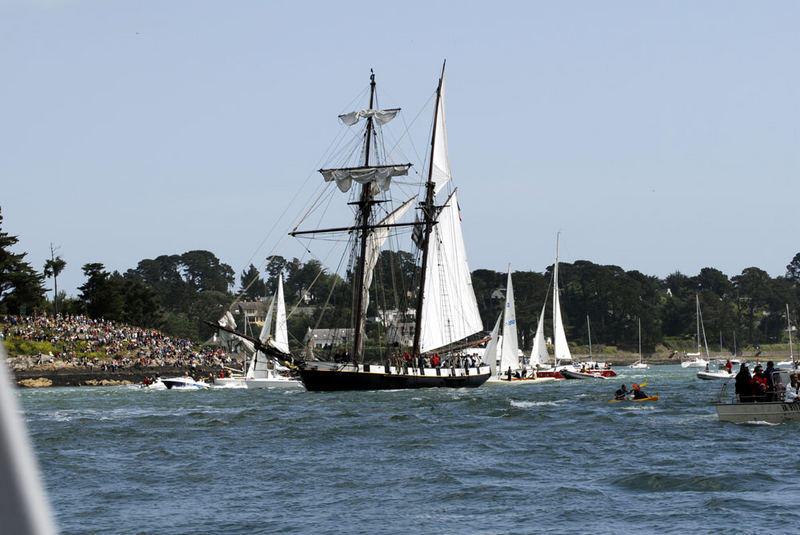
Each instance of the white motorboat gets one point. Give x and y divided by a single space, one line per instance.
569 374
719 373
183 383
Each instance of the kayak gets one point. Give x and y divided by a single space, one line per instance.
651 398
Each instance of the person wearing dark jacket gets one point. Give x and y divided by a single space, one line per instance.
744 387
770 394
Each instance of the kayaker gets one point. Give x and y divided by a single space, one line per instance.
638 393
621 393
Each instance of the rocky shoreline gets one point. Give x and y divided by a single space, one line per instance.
45 376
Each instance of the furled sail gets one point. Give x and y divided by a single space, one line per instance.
560 339
440 170
449 308
233 342
380 176
375 242
381 117
509 355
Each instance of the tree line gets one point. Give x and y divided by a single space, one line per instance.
178 293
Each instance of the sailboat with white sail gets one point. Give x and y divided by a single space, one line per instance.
562 356
446 311
510 368
639 364
695 360
265 371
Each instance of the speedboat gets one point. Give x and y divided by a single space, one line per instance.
569 374
720 373
183 383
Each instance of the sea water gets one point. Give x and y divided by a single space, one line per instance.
535 458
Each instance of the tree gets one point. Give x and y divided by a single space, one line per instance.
204 272
53 268
102 293
793 270
251 284
21 288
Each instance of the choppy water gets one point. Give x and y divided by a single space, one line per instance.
549 458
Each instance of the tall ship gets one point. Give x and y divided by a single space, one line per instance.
442 306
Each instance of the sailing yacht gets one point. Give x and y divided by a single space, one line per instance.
695 360
639 364
264 371
510 369
562 356
446 311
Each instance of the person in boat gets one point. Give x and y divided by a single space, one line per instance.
770 391
729 366
759 384
638 393
621 393
792 393
509 373
744 384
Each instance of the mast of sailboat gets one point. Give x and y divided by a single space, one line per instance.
789 322
589 329
429 219
365 210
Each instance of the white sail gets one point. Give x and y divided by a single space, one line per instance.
539 353
449 308
490 353
561 349
233 342
258 363
267 327
281 328
440 171
375 242
509 354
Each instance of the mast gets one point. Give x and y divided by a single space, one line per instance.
429 220
789 322
589 330
365 210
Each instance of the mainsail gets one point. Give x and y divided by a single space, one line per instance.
440 161
509 358
258 364
560 339
449 308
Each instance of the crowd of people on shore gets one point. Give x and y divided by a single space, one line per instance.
73 337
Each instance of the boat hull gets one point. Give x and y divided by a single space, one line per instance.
774 412
580 375
711 376
323 376
650 398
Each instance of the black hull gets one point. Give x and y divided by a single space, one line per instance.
315 379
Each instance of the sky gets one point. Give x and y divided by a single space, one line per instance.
656 136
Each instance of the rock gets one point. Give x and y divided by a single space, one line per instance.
39 382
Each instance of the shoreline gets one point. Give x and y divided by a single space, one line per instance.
39 376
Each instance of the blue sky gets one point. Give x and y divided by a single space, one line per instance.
658 136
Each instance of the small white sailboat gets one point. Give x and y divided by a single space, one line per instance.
639 364
562 356
510 369
695 360
265 371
